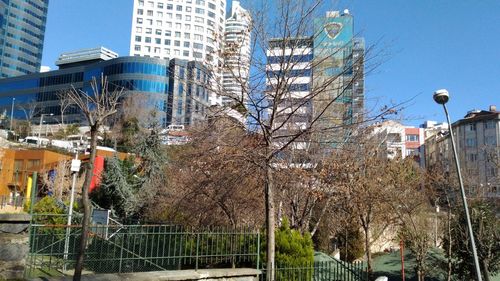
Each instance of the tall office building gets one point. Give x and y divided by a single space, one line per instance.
324 74
174 88
339 72
182 29
289 64
22 29
236 53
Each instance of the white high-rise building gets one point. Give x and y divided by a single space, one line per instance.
237 52
180 29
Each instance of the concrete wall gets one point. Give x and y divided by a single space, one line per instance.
14 245
226 274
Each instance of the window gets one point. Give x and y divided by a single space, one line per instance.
471 127
470 142
177 52
185 53
147 40
33 163
140 12
177 34
159 23
178 17
198 19
167 42
157 41
197 55
141 3
198 28
211 14
211 6
178 8
411 137
170 6
137 47
168 15
158 32
186 44
187 35
160 6
472 157
188 9
198 46
166 51
149 22
138 29
200 2
138 39
168 33
169 24
187 26
490 140
178 26
159 14
149 30
188 18
199 11
150 13
177 43
198 37
489 124
157 50
139 20
151 4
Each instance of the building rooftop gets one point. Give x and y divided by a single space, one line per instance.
85 55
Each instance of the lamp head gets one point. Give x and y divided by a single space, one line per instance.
441 96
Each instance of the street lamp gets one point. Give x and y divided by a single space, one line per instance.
40 127
441 97
12 113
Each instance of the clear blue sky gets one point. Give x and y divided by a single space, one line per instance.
429 44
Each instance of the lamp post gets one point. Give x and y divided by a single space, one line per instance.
12 113
40 127
442 97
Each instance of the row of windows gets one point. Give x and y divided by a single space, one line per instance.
17 68
19 18
289 59
22 59
142 85
61 79
24 50
24 40
491 124
290 73
160 5
168 32
136 67
147 39
292 88
29 12
28 31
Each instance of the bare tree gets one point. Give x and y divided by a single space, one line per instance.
96 107
30 109
275 111
65 102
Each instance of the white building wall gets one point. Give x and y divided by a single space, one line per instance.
237 50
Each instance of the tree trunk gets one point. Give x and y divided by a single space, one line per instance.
86 203
368 251
485 271
270 223
448 230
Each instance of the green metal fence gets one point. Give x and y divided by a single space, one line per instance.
134 248
334 270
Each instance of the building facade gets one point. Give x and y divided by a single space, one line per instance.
401 141
477 138
236 54
324 74
174 88
22 32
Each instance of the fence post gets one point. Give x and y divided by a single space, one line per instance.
197 248
258 249
121 255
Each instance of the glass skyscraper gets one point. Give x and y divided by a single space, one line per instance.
22 31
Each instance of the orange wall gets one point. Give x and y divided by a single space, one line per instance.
47 160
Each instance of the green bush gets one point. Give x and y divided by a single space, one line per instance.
46 211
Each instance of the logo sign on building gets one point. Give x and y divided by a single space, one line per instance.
332 29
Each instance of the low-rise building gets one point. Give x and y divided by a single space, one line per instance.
477 137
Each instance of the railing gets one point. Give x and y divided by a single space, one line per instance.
334 270
12 203
133 248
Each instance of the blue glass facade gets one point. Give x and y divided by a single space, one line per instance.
22 29
166 85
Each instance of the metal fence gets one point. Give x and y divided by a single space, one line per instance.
139 248
333 270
